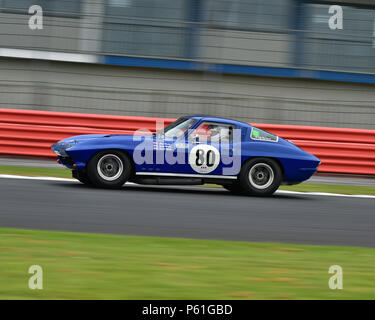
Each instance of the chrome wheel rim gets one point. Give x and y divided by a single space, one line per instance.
261 176
110 167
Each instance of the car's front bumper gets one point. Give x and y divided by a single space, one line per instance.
67 162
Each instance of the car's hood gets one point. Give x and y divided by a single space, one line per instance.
60 147
85 137
81 138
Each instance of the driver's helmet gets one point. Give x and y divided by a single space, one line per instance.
214 130
203 130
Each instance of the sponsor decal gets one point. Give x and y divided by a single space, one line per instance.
160 145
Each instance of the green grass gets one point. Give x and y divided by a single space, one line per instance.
31 171
93 266
305 187
309 187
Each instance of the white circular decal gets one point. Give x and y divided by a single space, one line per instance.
204 158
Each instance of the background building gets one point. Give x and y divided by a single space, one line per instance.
270 61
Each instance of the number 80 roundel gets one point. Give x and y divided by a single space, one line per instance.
204 158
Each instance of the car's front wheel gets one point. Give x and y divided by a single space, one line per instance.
260 176
109 169
81 177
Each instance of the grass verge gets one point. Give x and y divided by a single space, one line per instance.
307 187
38 172
94 266
304 187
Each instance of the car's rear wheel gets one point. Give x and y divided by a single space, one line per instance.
260 176
109 169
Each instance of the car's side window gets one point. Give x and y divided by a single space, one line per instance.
258 134
212 132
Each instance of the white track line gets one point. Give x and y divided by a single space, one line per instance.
325 194
10 176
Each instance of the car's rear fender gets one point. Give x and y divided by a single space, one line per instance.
297 165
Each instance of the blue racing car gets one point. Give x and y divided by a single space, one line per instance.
193 150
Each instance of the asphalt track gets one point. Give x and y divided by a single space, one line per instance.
187 212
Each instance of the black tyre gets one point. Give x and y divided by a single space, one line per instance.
109 169
81 177
260 176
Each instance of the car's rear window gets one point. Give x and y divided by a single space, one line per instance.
259 134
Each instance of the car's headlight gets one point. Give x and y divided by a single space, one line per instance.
67 146
61 151
56 152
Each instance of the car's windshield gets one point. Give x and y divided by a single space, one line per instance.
177 128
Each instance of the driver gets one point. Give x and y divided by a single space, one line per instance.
225 134
214 133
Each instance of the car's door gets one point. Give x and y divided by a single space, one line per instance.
210 148
166 150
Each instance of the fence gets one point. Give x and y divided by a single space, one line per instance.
31 133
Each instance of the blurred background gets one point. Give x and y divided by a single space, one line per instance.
264 61
259 61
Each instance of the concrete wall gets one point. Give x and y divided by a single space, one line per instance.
247 48
82 33
58 34
74 87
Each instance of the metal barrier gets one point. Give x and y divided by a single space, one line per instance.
31 133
